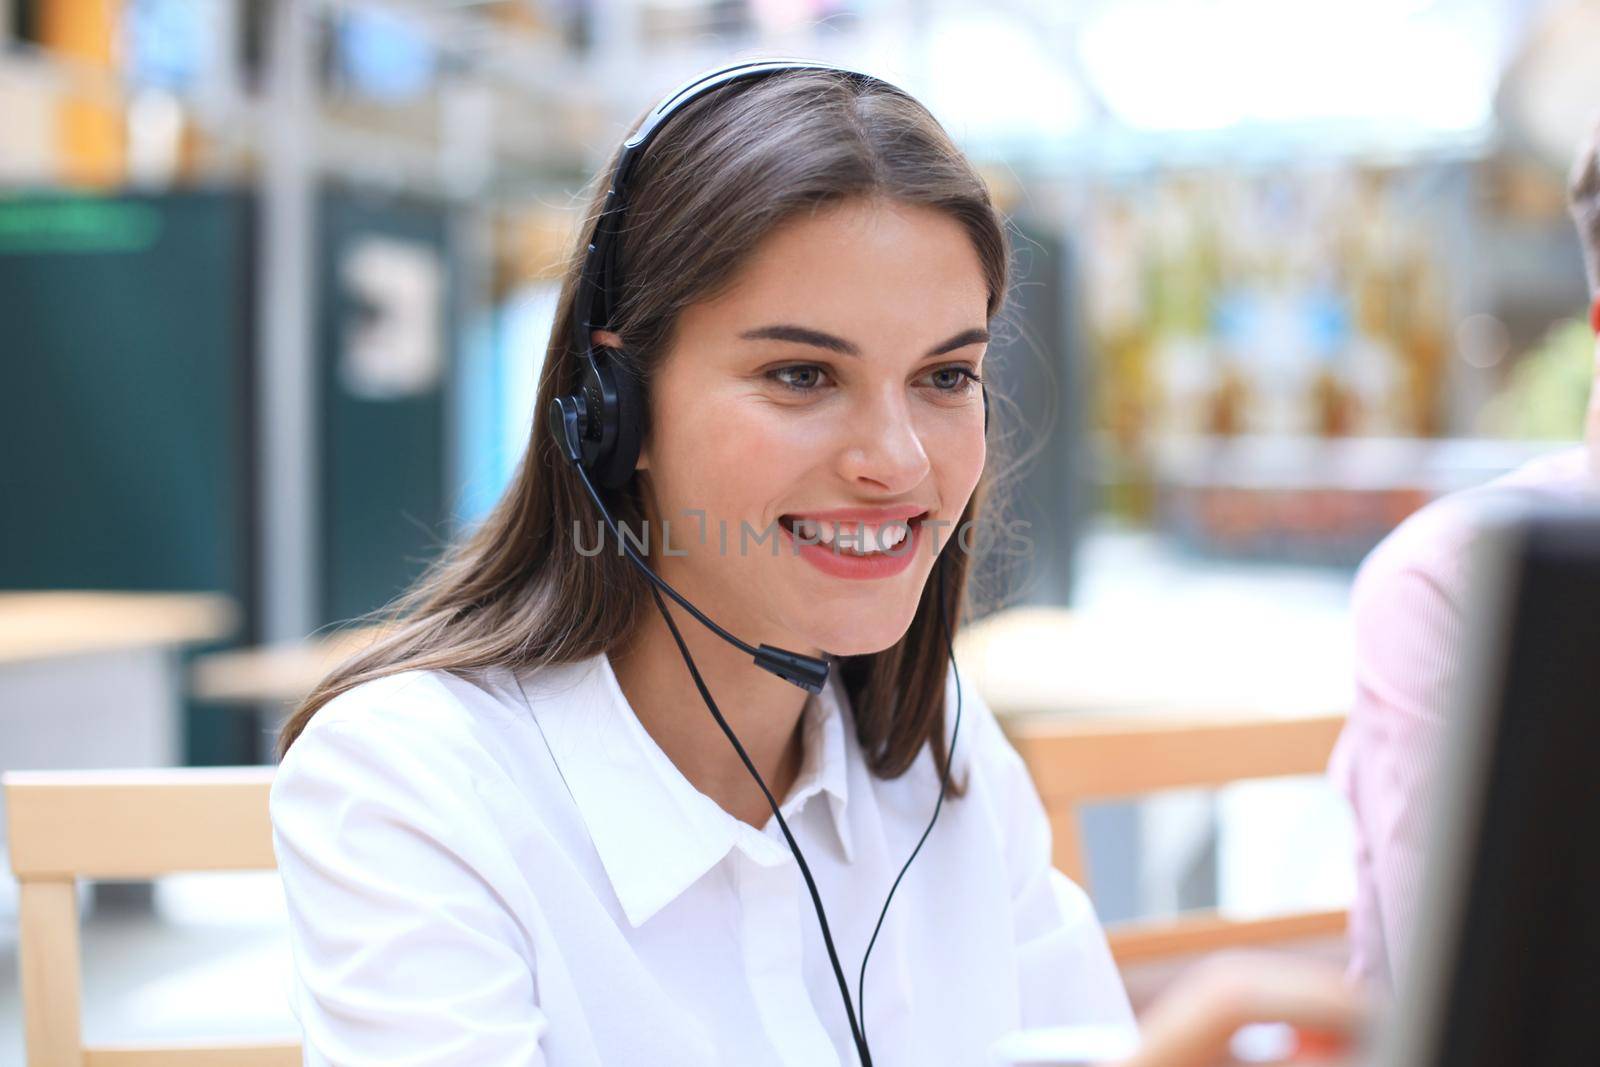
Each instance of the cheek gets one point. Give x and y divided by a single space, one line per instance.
732 466
958 460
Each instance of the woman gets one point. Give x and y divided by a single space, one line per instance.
511 833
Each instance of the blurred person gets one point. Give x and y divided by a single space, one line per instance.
1194 1022
510 832
1408 606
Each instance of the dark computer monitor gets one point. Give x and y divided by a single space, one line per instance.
1505 966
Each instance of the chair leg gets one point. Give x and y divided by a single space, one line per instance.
48 957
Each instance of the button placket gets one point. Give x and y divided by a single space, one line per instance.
771 916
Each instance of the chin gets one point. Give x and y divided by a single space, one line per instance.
872 632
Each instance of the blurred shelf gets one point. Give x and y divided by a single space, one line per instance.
1301 499
1267 462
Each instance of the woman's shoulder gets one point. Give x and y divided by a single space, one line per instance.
395 788
474 719
389 726
424 698
445 704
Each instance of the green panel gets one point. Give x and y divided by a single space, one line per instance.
384 456
123 426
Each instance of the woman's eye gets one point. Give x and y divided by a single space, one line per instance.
800 378
810 378
954 379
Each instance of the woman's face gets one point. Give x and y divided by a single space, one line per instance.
827 382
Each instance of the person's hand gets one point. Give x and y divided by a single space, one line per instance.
1193 1023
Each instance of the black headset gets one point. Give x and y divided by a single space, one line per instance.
600 429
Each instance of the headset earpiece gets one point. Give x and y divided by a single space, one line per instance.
627 434
610 418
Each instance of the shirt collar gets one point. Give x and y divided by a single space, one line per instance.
824 767
656 834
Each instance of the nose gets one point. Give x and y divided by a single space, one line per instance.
883 448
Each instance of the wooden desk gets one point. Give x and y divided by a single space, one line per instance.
1102 710
1051 661
280 674
92 679
52 624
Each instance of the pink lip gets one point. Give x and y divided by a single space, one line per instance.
843 565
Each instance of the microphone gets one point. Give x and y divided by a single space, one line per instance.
807 672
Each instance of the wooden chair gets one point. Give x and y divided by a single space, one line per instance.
1079 759
66 825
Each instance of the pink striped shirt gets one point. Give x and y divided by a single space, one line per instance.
1408 609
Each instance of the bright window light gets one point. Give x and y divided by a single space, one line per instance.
1189 66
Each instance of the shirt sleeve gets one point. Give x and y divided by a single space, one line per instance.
1408 621
1066 973
403 951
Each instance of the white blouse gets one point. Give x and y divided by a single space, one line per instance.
475 878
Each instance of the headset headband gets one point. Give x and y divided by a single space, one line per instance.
593 307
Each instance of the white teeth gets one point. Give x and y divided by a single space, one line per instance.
852 537
882 538
808 530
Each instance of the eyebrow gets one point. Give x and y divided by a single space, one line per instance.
806 336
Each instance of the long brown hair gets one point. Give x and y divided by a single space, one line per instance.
729 168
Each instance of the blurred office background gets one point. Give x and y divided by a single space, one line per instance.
276 277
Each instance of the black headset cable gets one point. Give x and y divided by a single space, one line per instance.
811 886
855 1011
944 782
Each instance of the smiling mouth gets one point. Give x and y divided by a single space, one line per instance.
848 538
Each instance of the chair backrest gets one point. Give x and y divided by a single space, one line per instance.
1080 759
125 824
